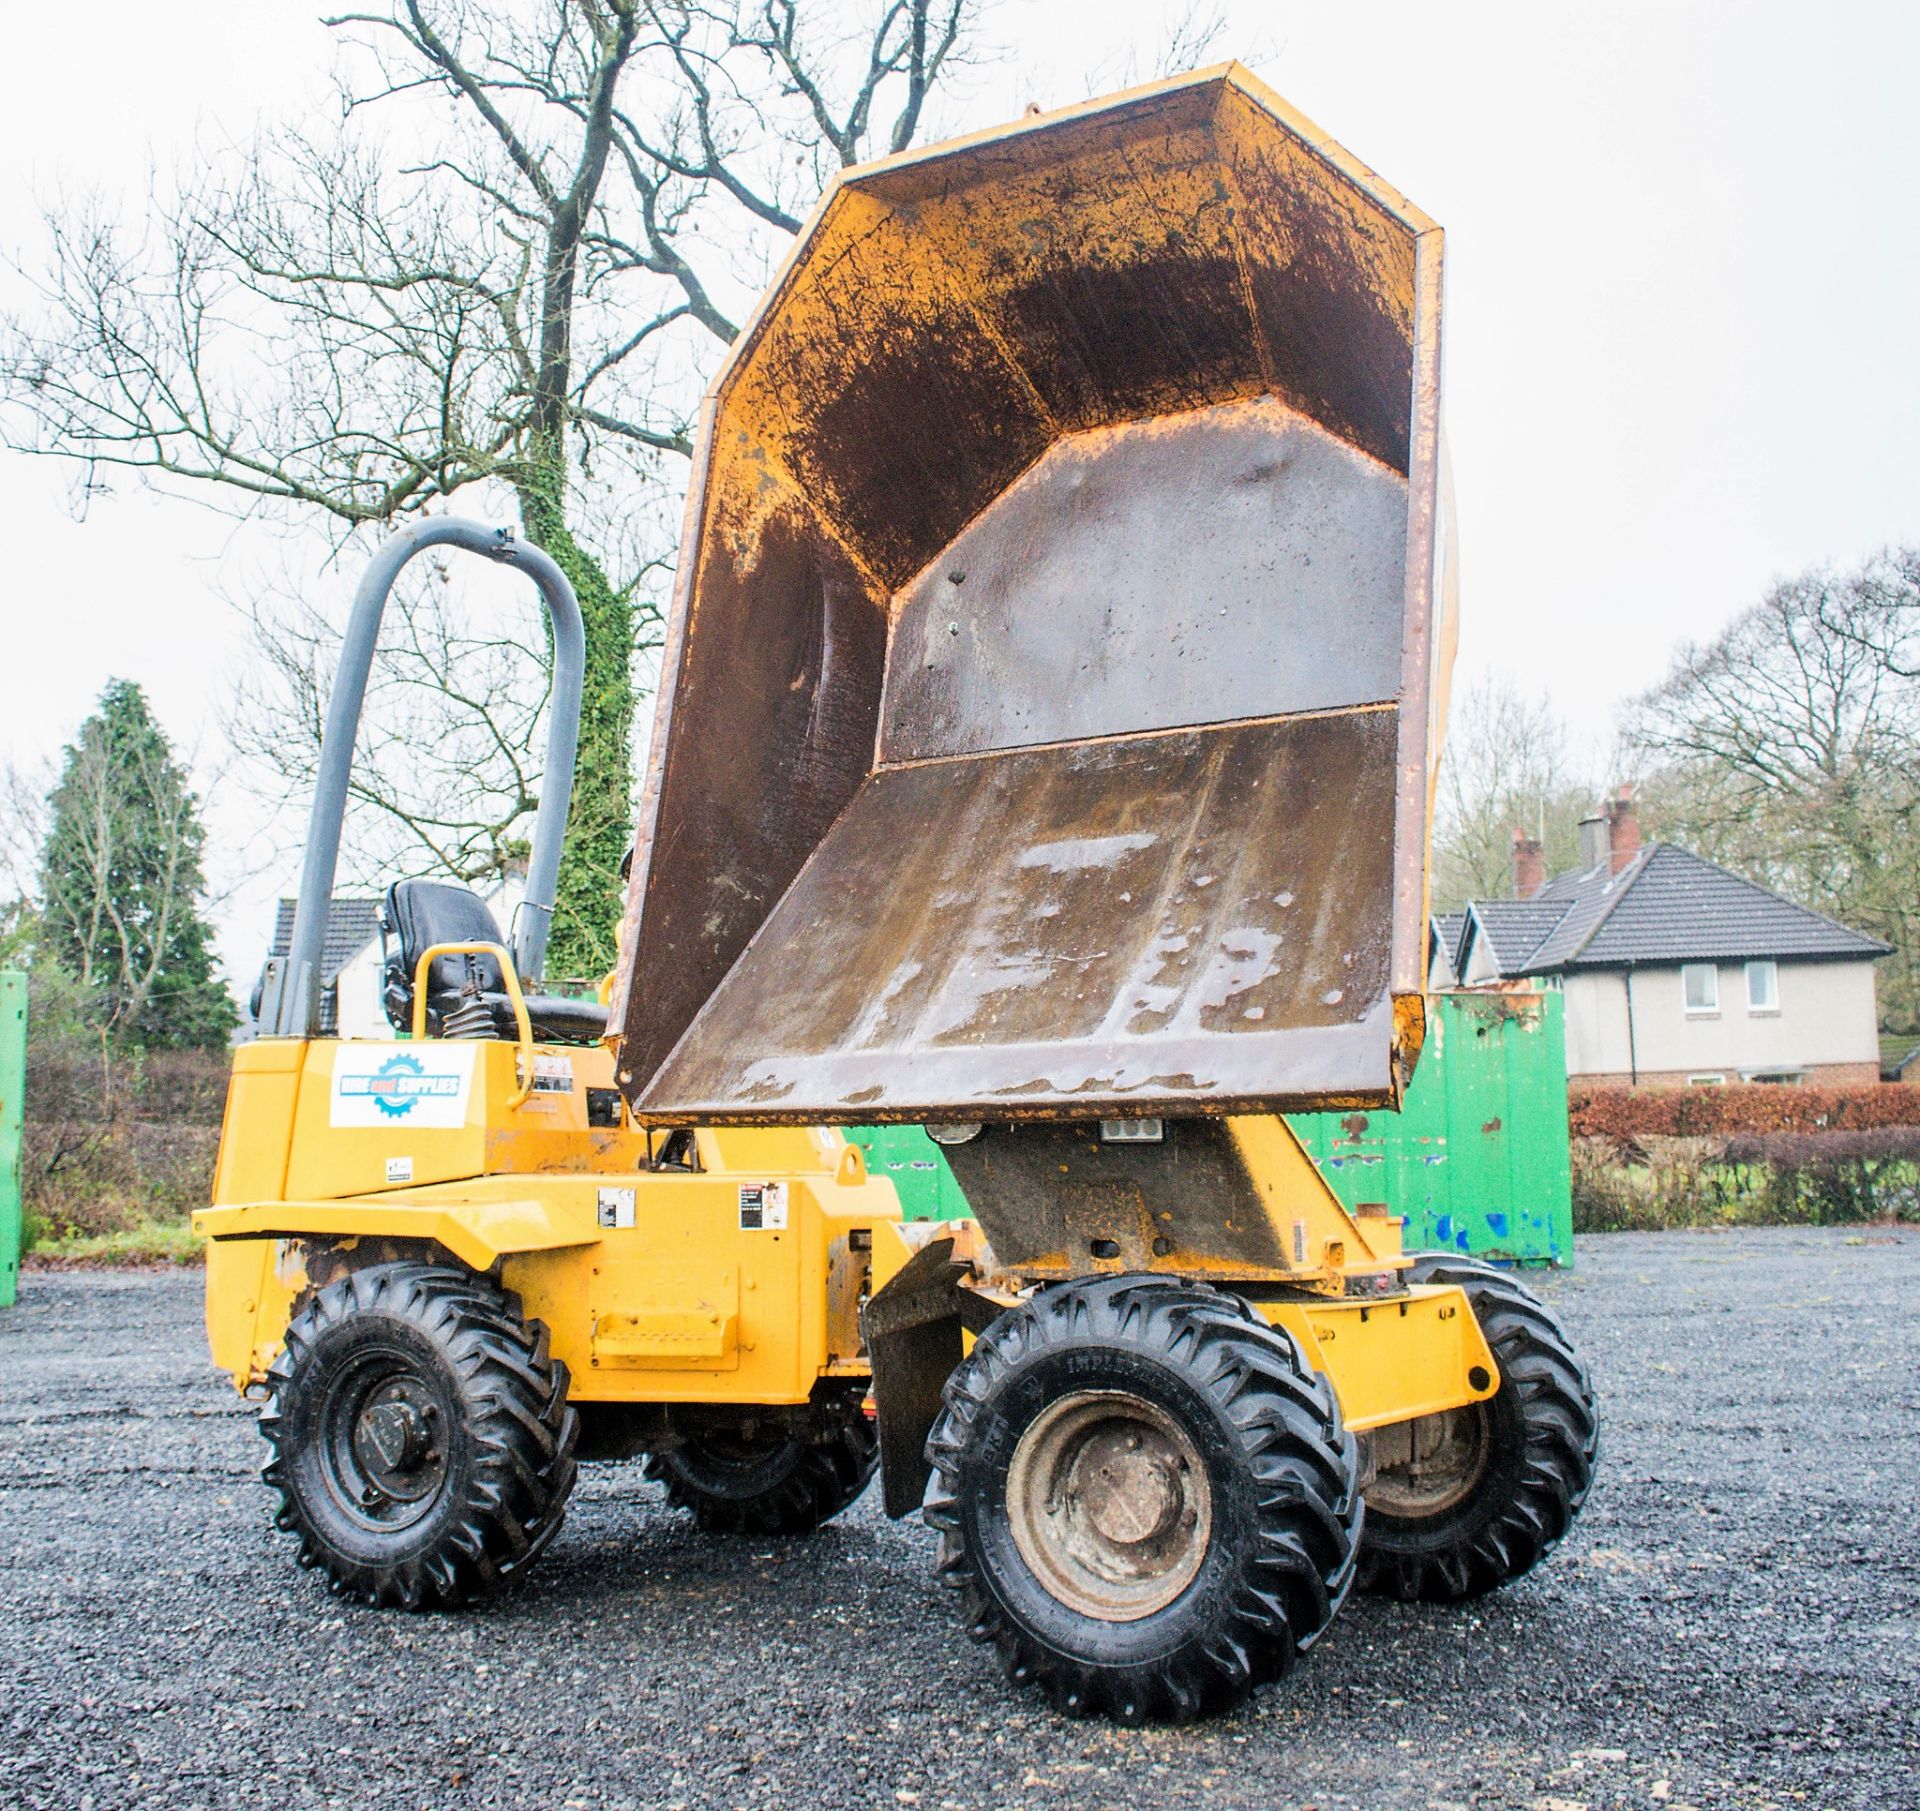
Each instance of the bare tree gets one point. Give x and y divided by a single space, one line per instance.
23 827
1789 748
1506 766
508 262
446 299
1877 607
446 772
1185 39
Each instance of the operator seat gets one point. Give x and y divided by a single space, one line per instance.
466 995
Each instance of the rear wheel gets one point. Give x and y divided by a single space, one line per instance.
737 1482
1463 1501
422 1442
1145 1498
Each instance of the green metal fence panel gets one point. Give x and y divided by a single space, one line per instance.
1475 1161
13 1089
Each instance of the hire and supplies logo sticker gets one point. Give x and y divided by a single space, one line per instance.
417 1085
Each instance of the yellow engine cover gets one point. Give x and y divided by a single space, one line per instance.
707 1284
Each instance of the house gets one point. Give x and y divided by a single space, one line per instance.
352 926
1443 938
1674 970
352 956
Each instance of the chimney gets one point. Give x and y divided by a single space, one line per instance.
1593 841
1529 865
1623 830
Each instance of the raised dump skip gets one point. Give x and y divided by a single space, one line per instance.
1047 715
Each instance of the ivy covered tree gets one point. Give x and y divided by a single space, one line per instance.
121 885
508 262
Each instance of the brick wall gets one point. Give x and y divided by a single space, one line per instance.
1819 1075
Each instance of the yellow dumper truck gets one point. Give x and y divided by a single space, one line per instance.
1044 756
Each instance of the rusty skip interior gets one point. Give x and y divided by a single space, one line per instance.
1045 727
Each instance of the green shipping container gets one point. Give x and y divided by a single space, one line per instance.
915 1166
1475 1161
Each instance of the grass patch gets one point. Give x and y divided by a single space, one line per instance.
140 1244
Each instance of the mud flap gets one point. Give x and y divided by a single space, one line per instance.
913 1330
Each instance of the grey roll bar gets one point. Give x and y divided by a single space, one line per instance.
290 1003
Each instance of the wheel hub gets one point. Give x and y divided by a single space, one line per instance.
1109 1504
1130 1495
392 1435
1429 1465
389 1456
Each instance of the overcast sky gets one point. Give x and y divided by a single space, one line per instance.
1683 312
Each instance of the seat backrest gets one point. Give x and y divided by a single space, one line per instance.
417 915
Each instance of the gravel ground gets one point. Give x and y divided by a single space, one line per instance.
1735 1622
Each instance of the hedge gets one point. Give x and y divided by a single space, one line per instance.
1755 1107
1749 1179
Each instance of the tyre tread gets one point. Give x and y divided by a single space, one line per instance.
522 1426
1295 1448
818 1483
1562 1432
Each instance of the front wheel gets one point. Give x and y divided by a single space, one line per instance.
422 1441
1145 1498
1462 1502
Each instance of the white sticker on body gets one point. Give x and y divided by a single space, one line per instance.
552 1074
616 1207
394 1085
763 1206
399 1169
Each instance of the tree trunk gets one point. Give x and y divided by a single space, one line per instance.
600 825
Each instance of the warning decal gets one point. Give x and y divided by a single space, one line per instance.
763 1206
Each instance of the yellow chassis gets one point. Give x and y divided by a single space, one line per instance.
735 1281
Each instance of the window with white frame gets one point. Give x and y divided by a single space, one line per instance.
1700 984
1763 987
1706 1081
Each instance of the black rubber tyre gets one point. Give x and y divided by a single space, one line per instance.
1525 1457
422 1442
1200 1534
736 1485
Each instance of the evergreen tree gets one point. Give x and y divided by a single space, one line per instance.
122 886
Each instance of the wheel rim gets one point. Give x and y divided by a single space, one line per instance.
385 1431
1430 1465
1110 1504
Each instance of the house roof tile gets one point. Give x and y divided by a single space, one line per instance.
1514 928
351 925
1667 905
